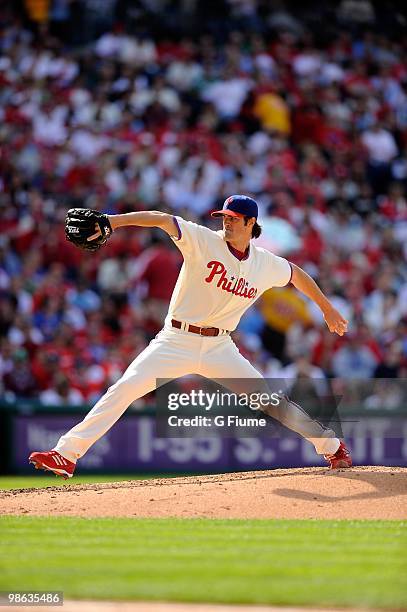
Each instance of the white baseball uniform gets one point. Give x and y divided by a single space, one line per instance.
214 289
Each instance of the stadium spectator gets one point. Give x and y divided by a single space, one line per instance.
60 393
19 381
354 360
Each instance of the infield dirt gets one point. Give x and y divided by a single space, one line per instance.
115 606
356 493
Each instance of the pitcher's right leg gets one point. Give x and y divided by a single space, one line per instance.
224 361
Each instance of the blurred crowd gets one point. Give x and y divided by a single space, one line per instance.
311 122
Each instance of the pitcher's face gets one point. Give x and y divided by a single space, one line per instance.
235 229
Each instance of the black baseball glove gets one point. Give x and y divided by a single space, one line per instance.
87 229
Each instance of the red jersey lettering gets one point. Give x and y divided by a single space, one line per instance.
238 287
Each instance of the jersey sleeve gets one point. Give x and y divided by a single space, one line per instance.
187 236
279 271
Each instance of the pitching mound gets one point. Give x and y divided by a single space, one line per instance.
357 493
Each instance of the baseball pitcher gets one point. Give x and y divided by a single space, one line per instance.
222 275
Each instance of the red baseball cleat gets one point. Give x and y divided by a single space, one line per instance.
52 461
341 459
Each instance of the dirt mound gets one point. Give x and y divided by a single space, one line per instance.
356 493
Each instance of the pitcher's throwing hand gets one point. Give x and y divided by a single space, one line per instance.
335 321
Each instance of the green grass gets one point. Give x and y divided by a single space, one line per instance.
40 480
313 563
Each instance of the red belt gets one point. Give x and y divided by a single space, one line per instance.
194 329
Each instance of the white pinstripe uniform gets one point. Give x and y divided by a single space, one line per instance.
214 289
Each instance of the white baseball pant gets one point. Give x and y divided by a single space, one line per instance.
171 354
